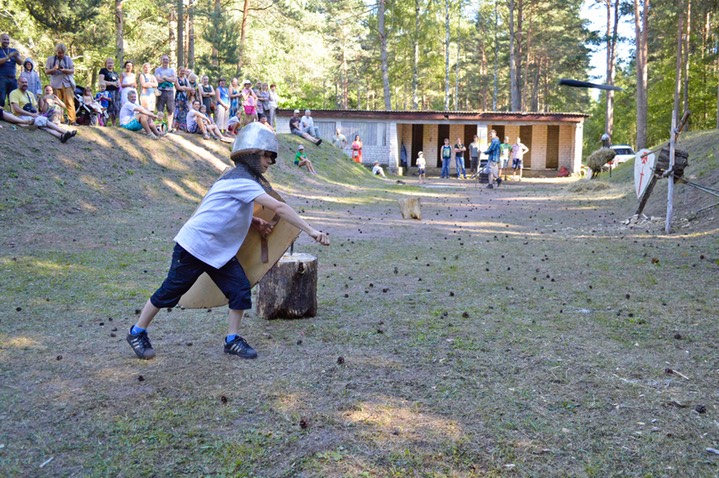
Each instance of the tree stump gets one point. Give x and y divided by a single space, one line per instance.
410 208
289 289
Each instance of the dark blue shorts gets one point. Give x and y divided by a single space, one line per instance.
186 269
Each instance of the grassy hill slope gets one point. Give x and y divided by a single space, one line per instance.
103 170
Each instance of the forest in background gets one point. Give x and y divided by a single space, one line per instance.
396 54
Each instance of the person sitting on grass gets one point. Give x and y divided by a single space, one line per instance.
302 161
24 105
210 239
296 129
263 122
233 125
198 122
11 118
51 106
377 170
134 117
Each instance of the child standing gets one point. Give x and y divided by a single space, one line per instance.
421 167
210 239
103 97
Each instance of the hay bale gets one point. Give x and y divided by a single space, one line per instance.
599 158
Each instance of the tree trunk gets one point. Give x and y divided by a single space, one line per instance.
171 34
410 208
383 56
191 37
518 56
534 101
528 58
495 91
456 65
215 55
289 289
686 56
612 33
345 81
180 33
243 31
119 38
415 60
446 56
513 100
641 11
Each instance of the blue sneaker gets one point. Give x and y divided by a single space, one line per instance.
241 348
141 345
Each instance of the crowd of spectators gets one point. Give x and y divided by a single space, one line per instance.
156 100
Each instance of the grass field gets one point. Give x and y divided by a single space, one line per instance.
525 331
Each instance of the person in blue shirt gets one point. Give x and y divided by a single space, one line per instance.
493 160
9 59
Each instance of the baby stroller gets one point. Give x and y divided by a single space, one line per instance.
86 114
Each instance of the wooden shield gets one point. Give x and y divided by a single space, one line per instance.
256 255
643 170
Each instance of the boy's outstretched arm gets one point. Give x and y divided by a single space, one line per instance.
288 214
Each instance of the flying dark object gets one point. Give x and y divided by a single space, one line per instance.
586 84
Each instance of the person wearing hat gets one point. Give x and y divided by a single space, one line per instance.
302 161
209 240
296 128
249 102
308 125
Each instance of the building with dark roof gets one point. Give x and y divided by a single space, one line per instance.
554 139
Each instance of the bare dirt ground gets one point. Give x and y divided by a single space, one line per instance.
522 331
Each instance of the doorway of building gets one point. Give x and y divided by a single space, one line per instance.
552 147
470 131
499 129
417 141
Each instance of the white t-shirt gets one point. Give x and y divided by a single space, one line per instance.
127 113
421 162
217 229
190 119
307 122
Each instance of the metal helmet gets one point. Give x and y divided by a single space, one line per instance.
255 139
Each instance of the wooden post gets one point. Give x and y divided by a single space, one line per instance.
289 289
410 208
673 132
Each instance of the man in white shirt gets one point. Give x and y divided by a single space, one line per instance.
308 125
134 117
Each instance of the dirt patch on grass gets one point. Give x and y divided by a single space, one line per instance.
523 330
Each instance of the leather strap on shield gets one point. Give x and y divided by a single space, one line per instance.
264 252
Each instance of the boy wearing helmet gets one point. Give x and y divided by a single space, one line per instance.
210 239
